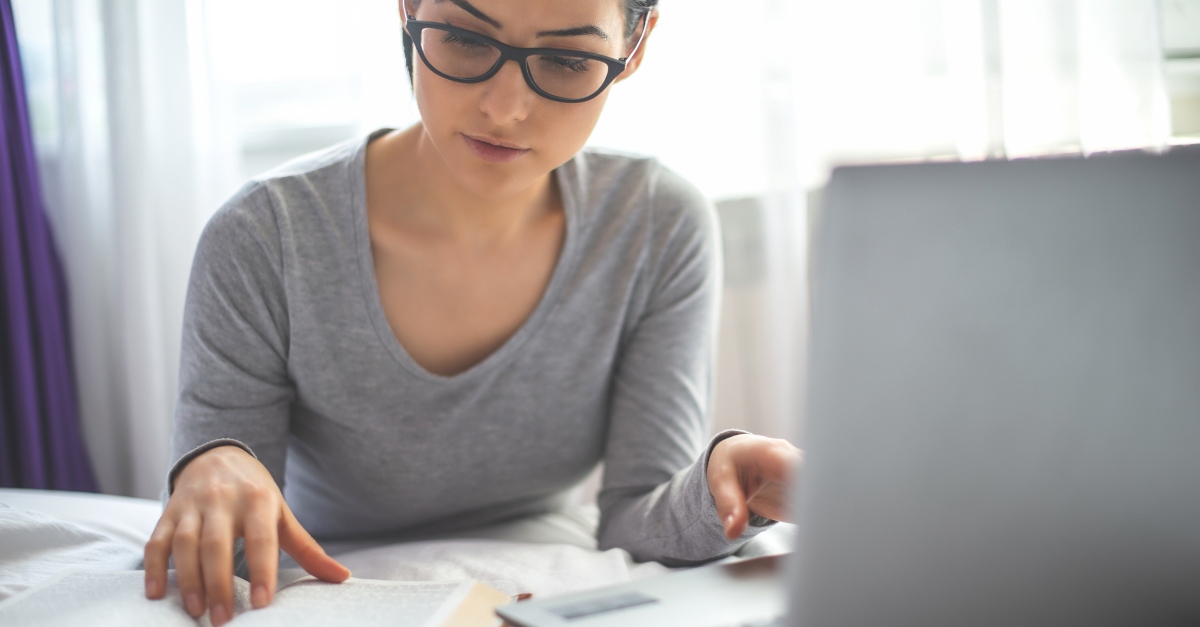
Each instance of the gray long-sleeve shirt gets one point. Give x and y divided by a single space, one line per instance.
287 351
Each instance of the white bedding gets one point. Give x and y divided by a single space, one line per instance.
42 533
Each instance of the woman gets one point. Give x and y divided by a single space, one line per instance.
452 324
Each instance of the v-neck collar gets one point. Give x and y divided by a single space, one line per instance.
374 304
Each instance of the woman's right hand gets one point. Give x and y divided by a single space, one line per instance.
221 495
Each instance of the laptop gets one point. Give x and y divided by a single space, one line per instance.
1003 424
1004 399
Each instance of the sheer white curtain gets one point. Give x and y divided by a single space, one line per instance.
152 110
132 169
976 78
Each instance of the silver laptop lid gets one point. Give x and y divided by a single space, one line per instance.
1004 416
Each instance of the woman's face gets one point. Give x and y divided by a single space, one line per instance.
465 121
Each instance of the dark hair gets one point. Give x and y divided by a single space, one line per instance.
634 9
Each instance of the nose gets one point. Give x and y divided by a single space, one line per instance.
506 98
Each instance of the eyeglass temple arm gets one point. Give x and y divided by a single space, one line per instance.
645 27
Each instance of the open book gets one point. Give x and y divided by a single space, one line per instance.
117 598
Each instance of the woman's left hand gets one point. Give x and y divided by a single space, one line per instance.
751 474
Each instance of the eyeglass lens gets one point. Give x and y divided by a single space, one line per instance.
562 75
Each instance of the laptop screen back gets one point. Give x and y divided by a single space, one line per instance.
1004 416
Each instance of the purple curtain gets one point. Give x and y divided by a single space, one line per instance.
40 442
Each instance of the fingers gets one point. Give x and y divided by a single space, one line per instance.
185 546
308 554
768 467
262 552
729 497
777 460
216 566
220 495
156 556
751 473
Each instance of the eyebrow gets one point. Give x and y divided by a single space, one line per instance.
470 8
590 29
574 32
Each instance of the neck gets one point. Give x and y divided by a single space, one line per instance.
435 201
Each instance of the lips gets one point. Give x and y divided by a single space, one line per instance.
490 150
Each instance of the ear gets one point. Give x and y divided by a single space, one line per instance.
635 61
404 13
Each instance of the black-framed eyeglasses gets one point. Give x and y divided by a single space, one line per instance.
561 75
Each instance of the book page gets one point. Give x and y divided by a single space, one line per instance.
118 598
312 602
104 599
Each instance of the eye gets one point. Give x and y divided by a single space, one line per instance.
573 64
463 41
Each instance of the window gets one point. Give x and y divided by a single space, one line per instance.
1181 51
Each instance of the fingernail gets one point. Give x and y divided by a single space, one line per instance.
258 596
219 615
195 606
151 587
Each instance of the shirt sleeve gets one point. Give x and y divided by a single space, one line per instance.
234 387
654 499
